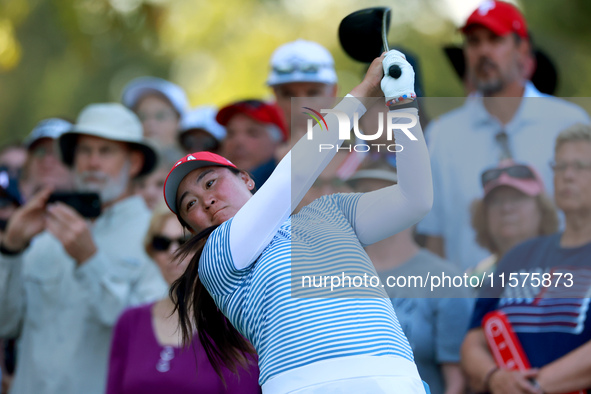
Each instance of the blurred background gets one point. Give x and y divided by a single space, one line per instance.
58 56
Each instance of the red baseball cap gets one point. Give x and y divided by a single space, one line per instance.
499 17
519 176
255 109
183 167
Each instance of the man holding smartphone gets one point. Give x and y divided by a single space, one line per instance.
64 279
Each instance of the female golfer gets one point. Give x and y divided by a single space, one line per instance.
243 256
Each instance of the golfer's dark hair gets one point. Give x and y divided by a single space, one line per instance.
198 312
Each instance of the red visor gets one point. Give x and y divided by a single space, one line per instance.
184 166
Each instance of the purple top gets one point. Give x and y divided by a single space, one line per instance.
139 364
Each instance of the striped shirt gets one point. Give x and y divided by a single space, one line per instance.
291 325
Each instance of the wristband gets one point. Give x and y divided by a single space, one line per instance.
413 104
9 252
411 96
487 377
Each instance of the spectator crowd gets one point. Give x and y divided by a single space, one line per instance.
84 293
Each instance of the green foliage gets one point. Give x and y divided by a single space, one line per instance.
58 56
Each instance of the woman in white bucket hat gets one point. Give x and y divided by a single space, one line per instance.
160 105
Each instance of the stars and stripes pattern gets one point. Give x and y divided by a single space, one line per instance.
560 307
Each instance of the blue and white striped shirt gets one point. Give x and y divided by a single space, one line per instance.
266 301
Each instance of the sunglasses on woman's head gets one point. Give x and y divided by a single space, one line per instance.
308 68
253 104
517 171
161 243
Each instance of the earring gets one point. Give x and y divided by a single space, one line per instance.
250 185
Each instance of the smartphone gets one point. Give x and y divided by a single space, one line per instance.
87 204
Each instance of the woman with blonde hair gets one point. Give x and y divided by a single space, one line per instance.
514 208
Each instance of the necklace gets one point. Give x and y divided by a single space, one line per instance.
167 354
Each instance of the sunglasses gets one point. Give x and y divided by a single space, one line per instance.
311 68
161 243
517 171
251 104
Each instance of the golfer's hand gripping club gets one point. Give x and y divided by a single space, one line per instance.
399 78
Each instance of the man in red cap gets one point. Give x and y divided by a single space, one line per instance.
254 130
497 50
494 124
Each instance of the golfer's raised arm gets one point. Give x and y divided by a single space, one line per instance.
385 212
268 209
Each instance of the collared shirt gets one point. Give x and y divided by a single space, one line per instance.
65 313
462 145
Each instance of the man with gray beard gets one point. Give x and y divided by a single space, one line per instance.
65 279
505 117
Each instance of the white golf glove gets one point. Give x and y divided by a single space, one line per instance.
401 85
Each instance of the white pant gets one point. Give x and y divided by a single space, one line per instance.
354 374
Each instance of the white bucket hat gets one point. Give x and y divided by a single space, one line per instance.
47 128
111 121
203 118
301 61
137 88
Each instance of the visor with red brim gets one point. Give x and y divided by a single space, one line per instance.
183 167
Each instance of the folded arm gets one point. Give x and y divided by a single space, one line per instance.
112 286
569 373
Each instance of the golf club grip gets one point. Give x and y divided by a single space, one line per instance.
394 71
504 344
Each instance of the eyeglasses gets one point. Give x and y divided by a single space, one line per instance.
503 140
160 116
517 171
577 165
161 243
305 68
41 151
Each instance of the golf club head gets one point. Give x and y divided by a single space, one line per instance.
363 34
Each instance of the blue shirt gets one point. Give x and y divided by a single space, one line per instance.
290 329
462 145
538 316
434 325
263 172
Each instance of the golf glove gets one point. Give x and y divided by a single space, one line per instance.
399 78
